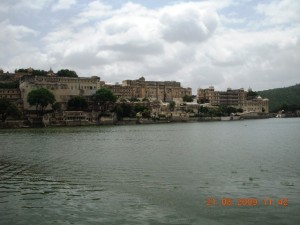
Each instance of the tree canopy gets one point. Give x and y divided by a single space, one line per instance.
77 103
40 98
222 110
131 110
103 98
33 72
172 105
39 72
187 98
56 106
8 109
66 73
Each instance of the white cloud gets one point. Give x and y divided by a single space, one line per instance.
32 4
63 4
191 42
188 22
93 11
280 12
13 40
9 31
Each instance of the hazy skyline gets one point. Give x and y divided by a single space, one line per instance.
225 43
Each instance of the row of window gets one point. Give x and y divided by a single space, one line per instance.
9 96
10 91
65 80
84 87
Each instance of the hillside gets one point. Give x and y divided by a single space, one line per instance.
282 96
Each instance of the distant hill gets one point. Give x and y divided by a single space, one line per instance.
288 96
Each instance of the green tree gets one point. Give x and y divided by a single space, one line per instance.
39 72
40 98
33 72
104 98
134 99
126 110
22 70
240 110
77 103
140 108
203 111
120 112
187 98
8 109
56 106
172 105
66 73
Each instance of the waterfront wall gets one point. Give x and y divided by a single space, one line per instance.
15 124
255 115
47 121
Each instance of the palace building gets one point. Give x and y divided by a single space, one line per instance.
63 88
235 98
152 90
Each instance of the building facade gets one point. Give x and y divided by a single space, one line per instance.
257 104
152 90
235 98
63 88
13 95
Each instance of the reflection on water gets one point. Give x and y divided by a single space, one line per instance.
152 174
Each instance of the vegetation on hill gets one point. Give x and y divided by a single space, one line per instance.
66 73
60 73
32 71
287 98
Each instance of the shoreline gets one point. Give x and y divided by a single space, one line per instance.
23 124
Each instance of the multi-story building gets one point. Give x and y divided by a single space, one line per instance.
120 91
215 98
13 95
152 90
63 88
234 98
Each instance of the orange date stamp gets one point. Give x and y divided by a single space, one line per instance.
246 202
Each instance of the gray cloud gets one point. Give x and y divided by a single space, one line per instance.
139 49
183 41
188 26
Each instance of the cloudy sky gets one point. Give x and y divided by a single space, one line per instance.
225 43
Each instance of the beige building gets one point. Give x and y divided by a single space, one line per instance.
120 91
63 88
13 95
152 90
235 98
10 94
257 104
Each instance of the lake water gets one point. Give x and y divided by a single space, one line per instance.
152 174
